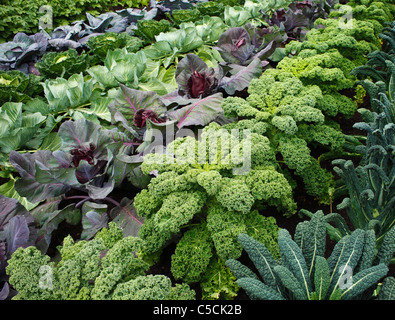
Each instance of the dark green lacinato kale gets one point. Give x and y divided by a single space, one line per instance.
103 268
208 191
352 271
371 185
63 64
388 289
378 74
287 112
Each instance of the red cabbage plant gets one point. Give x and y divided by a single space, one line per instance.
17 229
299 17
135 111
241 45
89 165
196 101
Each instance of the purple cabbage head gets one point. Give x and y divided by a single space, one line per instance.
241 45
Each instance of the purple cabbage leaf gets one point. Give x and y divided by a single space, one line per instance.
126 217
22 52
17 229
196 80
87 161
241 45
197 101
134 109
299 17
94 218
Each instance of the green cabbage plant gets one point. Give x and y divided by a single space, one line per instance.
101 44
63 64
15 86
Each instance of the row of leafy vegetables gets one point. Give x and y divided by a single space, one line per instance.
73 140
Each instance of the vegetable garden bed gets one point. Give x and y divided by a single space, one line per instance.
197 150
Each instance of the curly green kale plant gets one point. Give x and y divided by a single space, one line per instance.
378 74
378 13
352 271
103 268
198 194
284 110
331 52
329 70
352 43
370 185
153 287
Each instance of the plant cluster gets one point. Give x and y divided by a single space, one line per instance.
352 271
246 95
196 194
21 16
104 268
285 111
15 86
370 185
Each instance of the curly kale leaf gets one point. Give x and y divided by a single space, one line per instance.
26 268
152 287
329 70
86 269
352 43
218 283
177 209
271 187
225 226
192 254
295 152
